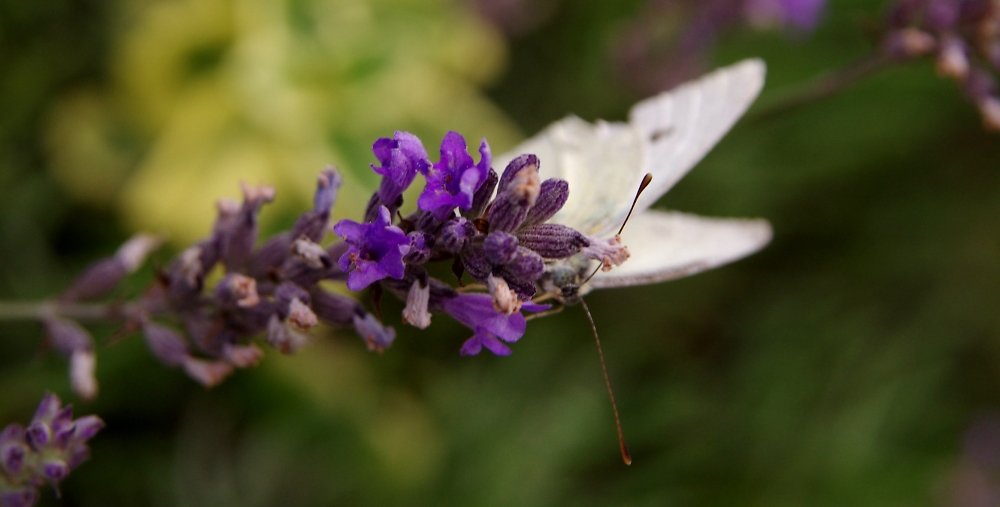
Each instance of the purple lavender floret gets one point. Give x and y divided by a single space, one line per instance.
376 250
454 180
402 157
44 453
491 328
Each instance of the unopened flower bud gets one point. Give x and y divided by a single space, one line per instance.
166 344
415 313
456 234
552 241
482 196
313 224
39 434
500 247
54 470
334 308
610 252
516 194
375 335
526 265
421 248
552 196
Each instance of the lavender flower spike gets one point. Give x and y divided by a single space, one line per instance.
376 250
44 452
490 326
454 180
402 157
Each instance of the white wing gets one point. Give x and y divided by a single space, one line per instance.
602 163
684 124
667 135
669 245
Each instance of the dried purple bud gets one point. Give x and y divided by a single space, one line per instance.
421 248
311 254
517 192
103 276
166 344
952 59
610 252
500 247
237 290
271 255
39 434
415 313
456 234
552 241
301 316
283 338
313 223
238 240
907 43
551 198
242 356
207 373
375 335
334 308
941 15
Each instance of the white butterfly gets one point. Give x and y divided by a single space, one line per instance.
666 136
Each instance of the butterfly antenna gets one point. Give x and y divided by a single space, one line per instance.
646 180
626 456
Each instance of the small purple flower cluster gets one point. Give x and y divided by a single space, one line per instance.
491 227
44 452
962 36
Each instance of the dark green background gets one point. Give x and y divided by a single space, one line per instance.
840 366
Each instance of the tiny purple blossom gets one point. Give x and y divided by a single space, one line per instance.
376 250
402 157
454 180
490 326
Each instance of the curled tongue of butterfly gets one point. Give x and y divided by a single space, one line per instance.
626 455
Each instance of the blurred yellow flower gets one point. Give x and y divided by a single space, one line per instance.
206 93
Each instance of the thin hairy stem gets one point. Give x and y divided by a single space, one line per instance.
824 86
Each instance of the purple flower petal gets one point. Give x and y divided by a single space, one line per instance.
402 157
376 250
453 181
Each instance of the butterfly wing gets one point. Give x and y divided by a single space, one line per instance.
602 163
682 125
668 245
666 136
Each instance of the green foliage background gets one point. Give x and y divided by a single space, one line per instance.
840 366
